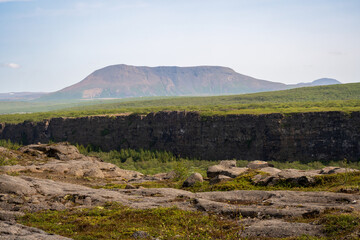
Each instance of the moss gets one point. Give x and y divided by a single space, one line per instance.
115 221
336 225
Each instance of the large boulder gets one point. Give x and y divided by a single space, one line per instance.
62 158
291 176
228 163
62 151
219 178
257 164
226 168
335 170
193 179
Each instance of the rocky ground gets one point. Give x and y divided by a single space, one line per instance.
58 177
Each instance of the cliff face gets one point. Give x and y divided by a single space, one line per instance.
299 136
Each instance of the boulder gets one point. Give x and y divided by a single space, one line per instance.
193 179
11 230
140 234
257 164
270 170
294 176
216 170
68 161
13 185
227 168
335 170
61 151
219 178
228 163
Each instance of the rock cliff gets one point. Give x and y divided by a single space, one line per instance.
297 136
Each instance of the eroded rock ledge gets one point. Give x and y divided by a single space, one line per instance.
264 213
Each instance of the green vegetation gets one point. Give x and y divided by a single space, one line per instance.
340 225
150 162
331 183
8 144
336 224
345 97
4 161
115 221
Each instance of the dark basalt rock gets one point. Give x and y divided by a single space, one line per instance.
294 137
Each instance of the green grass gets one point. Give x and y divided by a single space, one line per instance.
331 183
8 144
115 221
4 161
345 97
150 162
340 225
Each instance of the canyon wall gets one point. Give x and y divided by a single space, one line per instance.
291 137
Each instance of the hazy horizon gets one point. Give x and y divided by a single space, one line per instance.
48 45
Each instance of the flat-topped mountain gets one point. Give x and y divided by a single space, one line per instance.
122 81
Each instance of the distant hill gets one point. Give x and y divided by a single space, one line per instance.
340 97
318 82
123 81
324 96
20 96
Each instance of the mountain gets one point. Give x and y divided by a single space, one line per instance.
121 81
124 81
318 82
20 96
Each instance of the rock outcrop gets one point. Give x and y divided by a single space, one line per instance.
65 159
262 213
193 179
14 231
290 137
31 194
269 176
225 168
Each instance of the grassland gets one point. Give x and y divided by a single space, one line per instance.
344 97
114 221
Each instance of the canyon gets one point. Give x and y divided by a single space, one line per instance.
301 137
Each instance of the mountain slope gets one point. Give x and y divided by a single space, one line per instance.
121 81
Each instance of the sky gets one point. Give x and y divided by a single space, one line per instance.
46 45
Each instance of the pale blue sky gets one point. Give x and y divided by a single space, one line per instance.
46 45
